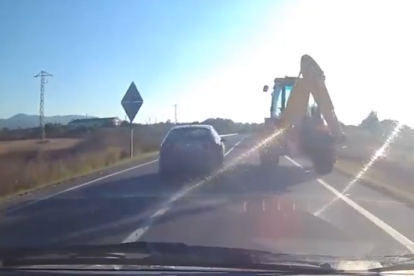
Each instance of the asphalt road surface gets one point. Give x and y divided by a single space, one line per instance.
287 210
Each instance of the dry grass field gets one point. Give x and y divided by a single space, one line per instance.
36 145
29 164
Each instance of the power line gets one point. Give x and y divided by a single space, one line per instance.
43 75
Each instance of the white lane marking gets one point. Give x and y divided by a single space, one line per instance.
378 222
232 148
245 206
377 201
263 205
137 234
37 200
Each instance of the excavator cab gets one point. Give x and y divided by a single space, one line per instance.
276 145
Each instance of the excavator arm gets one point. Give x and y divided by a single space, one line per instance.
306 131
311 82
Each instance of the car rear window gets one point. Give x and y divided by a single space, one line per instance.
188 134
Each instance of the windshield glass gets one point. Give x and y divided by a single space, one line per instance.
189 134
89 91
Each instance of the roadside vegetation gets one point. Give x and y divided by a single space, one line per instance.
26 163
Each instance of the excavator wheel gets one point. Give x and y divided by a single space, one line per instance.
320 148
269 160
323 167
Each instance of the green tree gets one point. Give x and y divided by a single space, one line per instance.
371 123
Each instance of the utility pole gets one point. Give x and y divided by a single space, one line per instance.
43 75
175 113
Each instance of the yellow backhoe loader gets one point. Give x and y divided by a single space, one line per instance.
313 132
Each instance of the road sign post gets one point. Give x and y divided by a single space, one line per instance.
132 102
131 144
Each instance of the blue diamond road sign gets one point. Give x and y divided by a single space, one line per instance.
132 101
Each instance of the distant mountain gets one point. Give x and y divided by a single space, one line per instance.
28 121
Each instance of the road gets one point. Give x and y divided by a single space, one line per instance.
288 210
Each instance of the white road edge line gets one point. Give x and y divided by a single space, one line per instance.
378 222
137 234
26 204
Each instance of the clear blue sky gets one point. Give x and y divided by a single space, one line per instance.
95 48
211 57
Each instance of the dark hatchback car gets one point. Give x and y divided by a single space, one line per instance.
189 149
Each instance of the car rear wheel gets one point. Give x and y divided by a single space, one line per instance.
220 163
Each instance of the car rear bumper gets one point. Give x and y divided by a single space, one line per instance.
186 164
